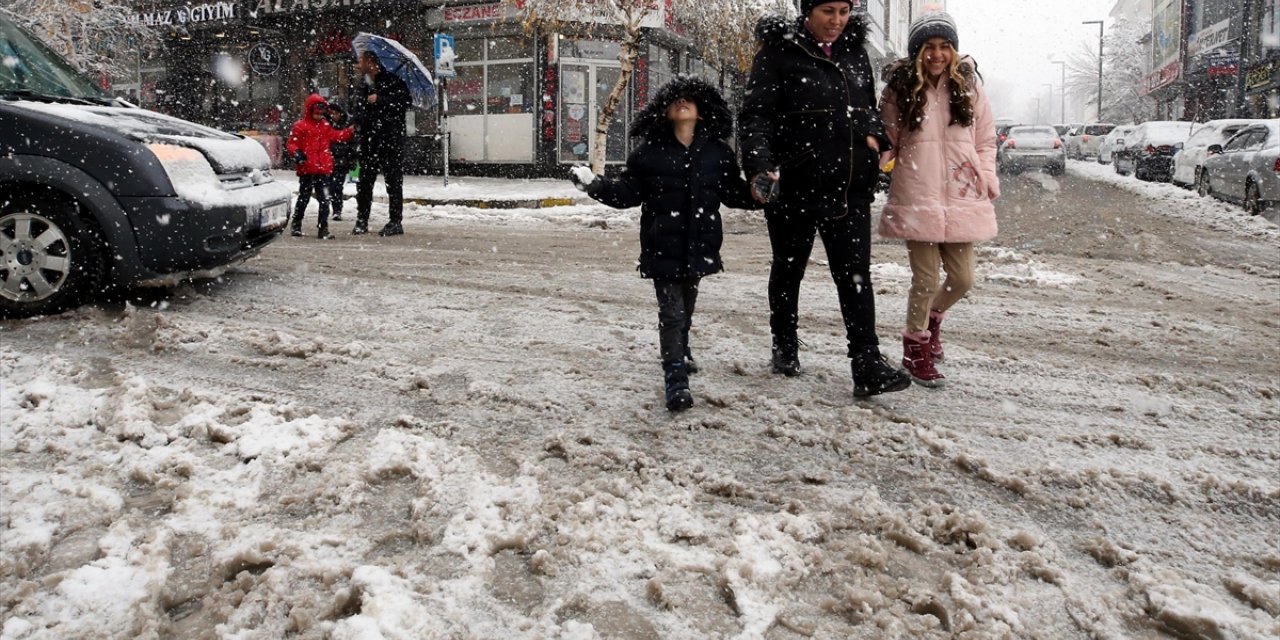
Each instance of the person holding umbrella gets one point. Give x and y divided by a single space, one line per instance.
379 111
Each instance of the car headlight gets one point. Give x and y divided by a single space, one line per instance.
188 169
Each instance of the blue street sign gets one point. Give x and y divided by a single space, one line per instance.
445 56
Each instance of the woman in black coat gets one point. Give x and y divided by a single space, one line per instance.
810 125
679 177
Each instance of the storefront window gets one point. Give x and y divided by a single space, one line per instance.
510 88
661 69
468 51
492 100
512 48
466 92
589 49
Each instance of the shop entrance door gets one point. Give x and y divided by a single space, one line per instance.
584 88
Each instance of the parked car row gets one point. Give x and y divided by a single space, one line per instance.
1235 160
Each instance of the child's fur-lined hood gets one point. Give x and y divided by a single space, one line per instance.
715 120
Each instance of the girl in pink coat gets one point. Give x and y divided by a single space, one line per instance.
936 114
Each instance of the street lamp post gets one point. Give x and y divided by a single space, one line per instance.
1037 109
1062 87
1099 23
1246 53
1050 99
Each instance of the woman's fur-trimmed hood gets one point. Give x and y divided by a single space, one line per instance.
715 120
773 30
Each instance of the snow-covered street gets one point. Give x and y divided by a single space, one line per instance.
460 433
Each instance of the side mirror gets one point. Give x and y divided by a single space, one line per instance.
1178 147
1214 149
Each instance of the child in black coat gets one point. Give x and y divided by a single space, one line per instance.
680 175
344 159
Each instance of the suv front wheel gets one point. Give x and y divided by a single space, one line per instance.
50 259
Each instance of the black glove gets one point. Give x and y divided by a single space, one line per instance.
299 156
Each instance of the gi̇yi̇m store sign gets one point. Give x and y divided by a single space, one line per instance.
189 14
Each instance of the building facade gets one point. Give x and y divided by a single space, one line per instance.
1259 81
524 101
1211 59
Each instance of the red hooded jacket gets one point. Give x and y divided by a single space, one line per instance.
313 137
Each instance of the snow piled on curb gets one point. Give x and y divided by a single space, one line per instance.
1182 203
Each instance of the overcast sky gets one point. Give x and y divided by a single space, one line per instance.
1013 41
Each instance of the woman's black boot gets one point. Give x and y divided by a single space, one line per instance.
873 375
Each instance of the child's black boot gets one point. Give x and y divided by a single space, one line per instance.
676 377
786 355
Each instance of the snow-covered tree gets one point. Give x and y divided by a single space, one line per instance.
1123 72
630 15
724 30
95 36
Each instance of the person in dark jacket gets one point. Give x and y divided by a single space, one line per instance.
309 145
679 176
382 105
344 159
810 131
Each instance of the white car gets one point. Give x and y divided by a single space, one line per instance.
1032 147
1188 163
1246 169
1085 140
1111 142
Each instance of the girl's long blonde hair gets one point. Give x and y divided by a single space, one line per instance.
907 78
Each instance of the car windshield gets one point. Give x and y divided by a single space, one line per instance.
1098 129
1033 132
30 69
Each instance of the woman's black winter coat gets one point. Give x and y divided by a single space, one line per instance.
679 188
809 116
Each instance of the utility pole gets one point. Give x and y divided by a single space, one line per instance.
1099 23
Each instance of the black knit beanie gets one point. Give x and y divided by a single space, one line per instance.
807 5
935 24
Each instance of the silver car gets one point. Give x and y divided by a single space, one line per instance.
1111 142
1246 169
1189 161
1032 147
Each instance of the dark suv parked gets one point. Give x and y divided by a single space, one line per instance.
95 192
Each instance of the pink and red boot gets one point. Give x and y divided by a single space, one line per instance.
917 359
935 335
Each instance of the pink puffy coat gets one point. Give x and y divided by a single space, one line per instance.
945 176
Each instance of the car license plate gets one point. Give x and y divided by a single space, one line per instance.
273 216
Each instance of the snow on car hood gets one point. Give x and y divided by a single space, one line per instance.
227 153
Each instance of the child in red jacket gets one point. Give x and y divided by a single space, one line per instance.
309 146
